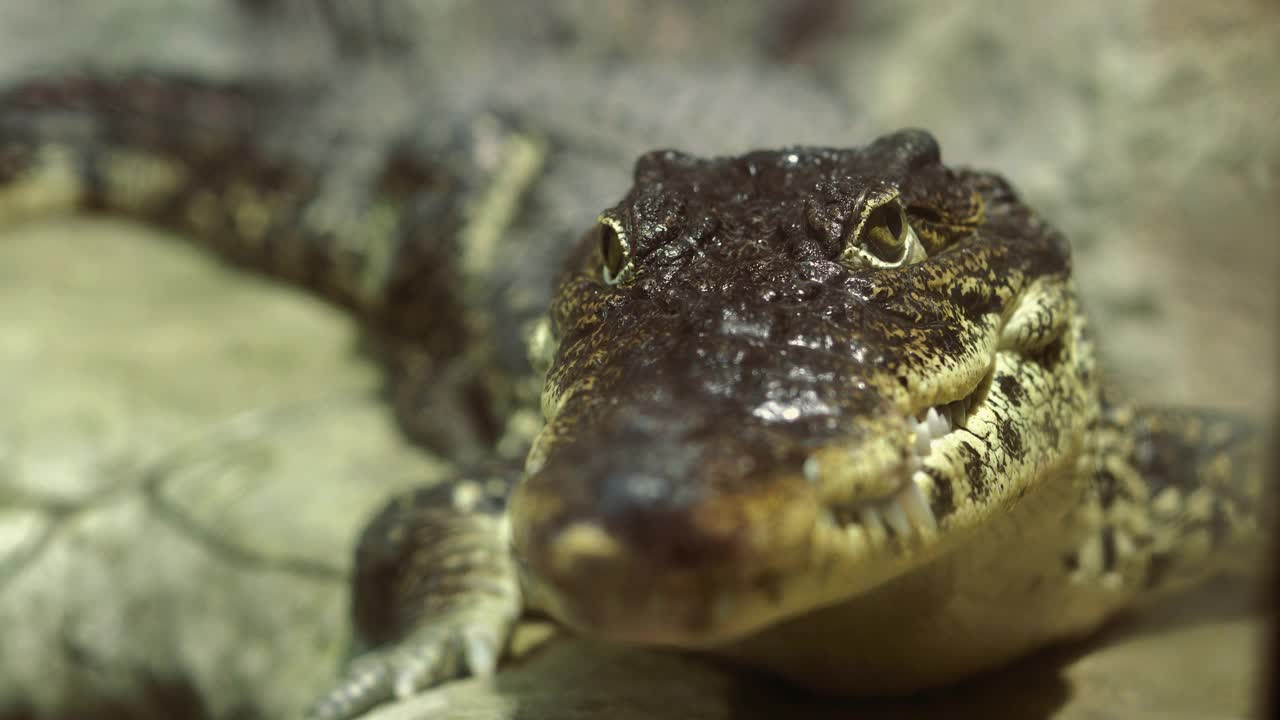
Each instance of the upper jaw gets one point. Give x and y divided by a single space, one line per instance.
661 521
696 560
895 502
689 579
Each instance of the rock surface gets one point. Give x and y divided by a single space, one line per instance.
180 486
179 489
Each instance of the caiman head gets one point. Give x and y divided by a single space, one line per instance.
777 380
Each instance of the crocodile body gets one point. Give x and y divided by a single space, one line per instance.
829 412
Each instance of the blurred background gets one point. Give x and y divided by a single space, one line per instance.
180 486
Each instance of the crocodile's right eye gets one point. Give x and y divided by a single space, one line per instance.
614 251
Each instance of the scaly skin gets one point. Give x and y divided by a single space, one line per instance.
832 413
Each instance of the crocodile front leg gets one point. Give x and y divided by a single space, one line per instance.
1178 495
435 593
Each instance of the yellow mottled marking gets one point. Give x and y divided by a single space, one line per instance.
522 157
137 182
1168 502
52 184
1218 469
1200 505
204 212
466 495
376 243
251 211
1090 557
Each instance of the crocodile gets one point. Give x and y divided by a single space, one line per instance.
832 413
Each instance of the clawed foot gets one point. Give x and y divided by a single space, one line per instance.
434 593
466 643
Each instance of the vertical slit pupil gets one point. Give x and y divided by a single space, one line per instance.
884 232
611 249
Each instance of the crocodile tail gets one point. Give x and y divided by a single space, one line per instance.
370 224
135 143
1182 495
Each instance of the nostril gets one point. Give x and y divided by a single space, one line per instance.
626 492
656 520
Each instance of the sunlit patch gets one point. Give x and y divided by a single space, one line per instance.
776 411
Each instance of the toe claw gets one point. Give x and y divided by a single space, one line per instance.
481 656
410 677
449 645
366 685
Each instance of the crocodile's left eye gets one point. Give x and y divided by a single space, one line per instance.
884 237
615 255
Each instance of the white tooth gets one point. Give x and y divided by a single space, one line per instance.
938 425
812 470
922 439
916 506
858 533
874 524
482 659
897 518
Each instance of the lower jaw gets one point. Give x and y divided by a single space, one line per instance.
652 621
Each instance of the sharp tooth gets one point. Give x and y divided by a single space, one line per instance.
481 656
874 524
916 506
897 518
938 425
812 470
922 439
